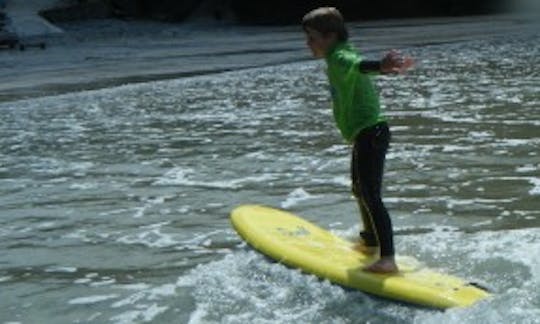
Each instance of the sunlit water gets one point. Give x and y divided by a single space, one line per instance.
115 203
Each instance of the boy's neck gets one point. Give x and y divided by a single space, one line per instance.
333 47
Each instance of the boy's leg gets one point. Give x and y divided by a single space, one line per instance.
368 243
369 154
367 234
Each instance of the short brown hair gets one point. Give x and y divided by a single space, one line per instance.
326 20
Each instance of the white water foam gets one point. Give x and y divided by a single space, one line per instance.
151 236
246 287
506 261
146 314
61 269
536 186
84 186
143 303
296 196
180 176
5 278
91 299
149 203
527 168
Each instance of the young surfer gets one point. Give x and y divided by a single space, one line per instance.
358 116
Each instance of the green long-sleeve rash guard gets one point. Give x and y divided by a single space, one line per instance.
355 100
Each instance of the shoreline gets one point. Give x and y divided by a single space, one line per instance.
99 54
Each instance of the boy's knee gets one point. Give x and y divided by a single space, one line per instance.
370 197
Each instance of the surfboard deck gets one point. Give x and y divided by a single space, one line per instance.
298 243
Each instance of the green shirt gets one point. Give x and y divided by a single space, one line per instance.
355 100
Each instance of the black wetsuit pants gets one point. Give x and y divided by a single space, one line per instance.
367 167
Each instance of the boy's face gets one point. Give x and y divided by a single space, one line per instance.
319 43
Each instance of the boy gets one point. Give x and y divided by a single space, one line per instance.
357 114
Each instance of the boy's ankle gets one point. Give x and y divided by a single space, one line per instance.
361 246
385 264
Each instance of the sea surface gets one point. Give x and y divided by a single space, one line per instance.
114 203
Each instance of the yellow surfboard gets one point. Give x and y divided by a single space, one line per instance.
298 243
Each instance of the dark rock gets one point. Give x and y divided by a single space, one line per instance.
267 11
79 11
128 8
291 12
170 10
166 10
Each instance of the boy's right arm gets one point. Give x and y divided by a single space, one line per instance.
370 66
393 62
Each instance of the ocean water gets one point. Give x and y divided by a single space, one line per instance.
114 203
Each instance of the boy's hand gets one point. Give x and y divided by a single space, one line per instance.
394 62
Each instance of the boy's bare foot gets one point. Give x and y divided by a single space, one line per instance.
363 248
383 265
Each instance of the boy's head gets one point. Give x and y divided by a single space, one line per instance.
324 27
